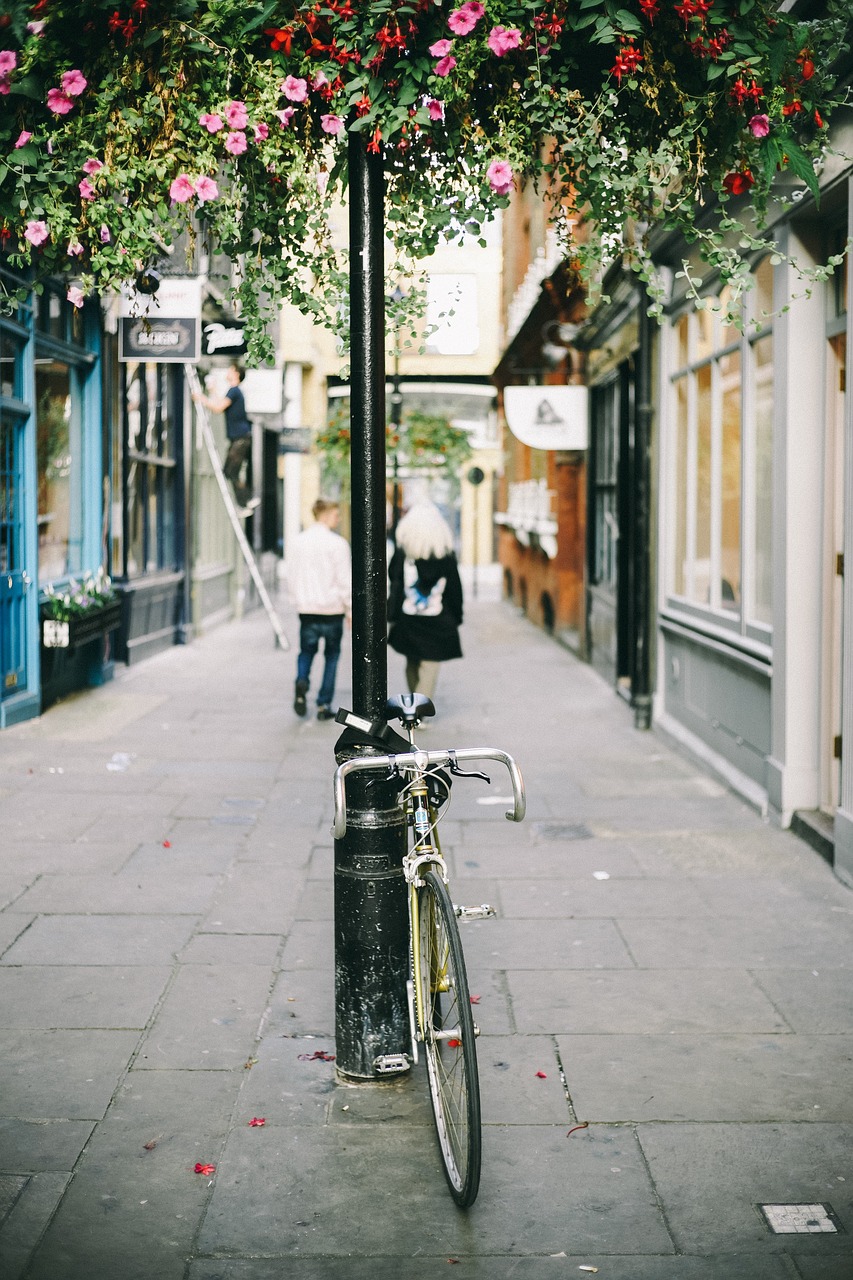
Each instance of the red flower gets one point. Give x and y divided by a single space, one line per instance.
257 1122
650 8
205 1169
373 144
363 105
686 10
281 39
739 182
792 108
818 119
807 67
627 61
115 22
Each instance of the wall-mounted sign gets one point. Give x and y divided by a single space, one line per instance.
158 340
223 338
548 417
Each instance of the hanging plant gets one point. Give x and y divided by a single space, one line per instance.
125 122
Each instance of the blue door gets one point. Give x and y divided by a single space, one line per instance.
14 578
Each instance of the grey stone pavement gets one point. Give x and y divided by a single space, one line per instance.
665 968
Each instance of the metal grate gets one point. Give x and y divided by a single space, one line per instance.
800 1219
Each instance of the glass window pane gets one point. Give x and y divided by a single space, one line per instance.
760 301
731 492
704 333
702 565
57 449
762 604
682 488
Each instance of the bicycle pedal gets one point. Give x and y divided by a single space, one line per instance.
474 913
392 1064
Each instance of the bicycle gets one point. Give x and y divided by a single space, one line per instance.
440 1016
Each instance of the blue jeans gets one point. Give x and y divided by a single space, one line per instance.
312 630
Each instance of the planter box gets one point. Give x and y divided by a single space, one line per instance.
80 630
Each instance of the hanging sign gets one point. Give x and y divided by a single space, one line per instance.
548 417
158 340
223 338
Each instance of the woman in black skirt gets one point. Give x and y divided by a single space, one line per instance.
425 596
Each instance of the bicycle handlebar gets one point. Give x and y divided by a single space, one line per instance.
419 762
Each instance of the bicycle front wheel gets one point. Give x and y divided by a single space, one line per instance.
448 1036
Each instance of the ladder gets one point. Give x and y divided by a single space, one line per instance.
282 641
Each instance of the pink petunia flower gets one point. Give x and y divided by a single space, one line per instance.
211 121
105 234
286 115
441 48
36 232
23 139
5 85
206 189
502 39
236 143
93 166
759 126
444 66
8 61
262 131
500 177
236 115
295 89
36 28
75 248
331 124
87 191
182 189
466 17
73 83
59 103
435 109
75 296
320 80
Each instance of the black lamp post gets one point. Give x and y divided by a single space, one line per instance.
371 929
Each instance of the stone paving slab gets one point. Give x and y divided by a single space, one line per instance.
80 995
255 899
127 893
82 857
711 1177
208 1018
811 1000
37 1146
56 1075
101 939
274 1197
723 942
490 1267
545 944
27 1219
710 1077
569 898
641 1001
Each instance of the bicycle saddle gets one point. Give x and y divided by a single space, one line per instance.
410 708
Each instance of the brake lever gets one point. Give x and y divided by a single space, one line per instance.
453 766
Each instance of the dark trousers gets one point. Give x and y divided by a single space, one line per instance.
313 628
239 452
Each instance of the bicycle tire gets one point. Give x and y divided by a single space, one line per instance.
449 1040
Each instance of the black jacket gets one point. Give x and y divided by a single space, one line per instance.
425 615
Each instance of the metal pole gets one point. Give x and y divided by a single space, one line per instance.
371 930
641 676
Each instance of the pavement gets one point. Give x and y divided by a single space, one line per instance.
665 1001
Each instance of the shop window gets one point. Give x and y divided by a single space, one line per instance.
720 486
152 394
60 462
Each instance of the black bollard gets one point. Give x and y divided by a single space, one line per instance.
371 927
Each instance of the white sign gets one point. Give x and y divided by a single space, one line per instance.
177 297
548 417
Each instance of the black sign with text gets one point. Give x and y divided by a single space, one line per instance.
158 340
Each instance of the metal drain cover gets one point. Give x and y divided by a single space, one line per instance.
799 1219
561 831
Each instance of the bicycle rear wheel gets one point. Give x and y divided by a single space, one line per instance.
449 1044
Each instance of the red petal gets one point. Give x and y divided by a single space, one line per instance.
541 1075
167 844
205 1169
257 1121
474 999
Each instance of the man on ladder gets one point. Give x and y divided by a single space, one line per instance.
238 428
